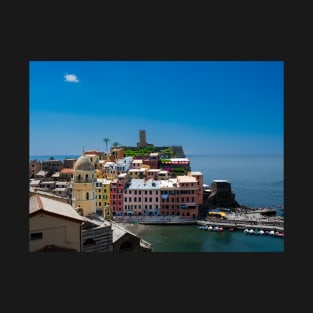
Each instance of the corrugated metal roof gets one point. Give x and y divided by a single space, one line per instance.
119 231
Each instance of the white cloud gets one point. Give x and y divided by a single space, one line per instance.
71 78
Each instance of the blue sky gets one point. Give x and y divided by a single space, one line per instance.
208 107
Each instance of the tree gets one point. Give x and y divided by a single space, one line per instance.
106 140
115 144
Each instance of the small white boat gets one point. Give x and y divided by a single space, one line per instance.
204 227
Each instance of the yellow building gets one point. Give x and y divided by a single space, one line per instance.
84 186
103 197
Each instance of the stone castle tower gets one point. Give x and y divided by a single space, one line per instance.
142 139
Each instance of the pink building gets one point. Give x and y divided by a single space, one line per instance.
181 196
142 197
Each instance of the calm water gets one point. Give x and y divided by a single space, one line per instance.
256 180
188 238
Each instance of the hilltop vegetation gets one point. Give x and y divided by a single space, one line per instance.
165 153
145 151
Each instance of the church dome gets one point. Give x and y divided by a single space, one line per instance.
83 164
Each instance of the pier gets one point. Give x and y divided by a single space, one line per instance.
252 219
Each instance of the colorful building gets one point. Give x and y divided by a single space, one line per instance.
84 186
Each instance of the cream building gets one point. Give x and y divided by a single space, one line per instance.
84 186
53 225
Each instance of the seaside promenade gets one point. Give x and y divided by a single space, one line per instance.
154 220
248 219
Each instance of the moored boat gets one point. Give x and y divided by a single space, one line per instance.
203 227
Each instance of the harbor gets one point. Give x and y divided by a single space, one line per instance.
254 218
155 220
241 230
262 219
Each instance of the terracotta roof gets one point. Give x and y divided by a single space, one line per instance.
37 203
67 170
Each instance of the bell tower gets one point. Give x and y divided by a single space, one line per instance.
84 186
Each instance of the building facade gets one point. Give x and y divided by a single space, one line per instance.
53 224
84 186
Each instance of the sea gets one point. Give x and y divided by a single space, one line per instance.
257 180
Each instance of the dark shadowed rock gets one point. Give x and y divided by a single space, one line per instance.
219 195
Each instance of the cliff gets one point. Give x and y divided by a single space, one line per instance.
218 195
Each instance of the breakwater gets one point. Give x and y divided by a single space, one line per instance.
256 219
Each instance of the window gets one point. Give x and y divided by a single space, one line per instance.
35 236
